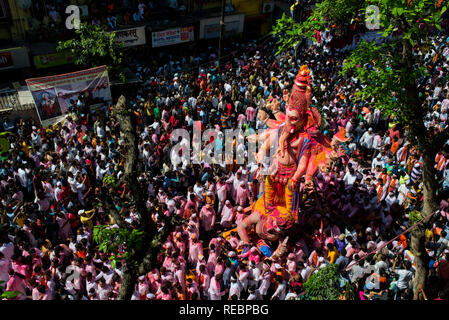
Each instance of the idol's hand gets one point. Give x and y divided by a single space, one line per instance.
285 95
308 187
262 115
292 184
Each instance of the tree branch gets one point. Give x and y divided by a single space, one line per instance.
115 214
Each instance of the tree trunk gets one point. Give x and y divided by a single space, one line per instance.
421 261
428 150
129 279
418 235
129 146
144 258
131 172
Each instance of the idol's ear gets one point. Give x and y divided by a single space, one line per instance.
309 95
316 117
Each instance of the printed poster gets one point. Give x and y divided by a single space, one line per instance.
54 95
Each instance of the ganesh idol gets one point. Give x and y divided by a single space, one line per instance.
300 152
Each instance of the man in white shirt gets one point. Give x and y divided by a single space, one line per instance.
376 116
281 290
235 288
101 170
436 95
381 266
405 275
386 140
23 177
198 188
105 274
403 191
357 271
377 161
254 274
293 295
367 141
306 270
215 291
254 294
390 198
350 177
103 290
377 142
58 192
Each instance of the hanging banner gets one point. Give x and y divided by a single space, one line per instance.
173 36
52 60
55 95
131 37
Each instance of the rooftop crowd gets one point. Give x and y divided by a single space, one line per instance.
50 182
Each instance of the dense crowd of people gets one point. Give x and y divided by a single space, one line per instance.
52 181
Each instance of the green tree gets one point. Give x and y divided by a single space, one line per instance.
94 46
391 74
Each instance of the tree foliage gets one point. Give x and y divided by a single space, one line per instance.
325 285
414 217
121 243
324 15
388 72
94 46
109 180
409 18
384 79
288 32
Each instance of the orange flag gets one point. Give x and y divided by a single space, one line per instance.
435 57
